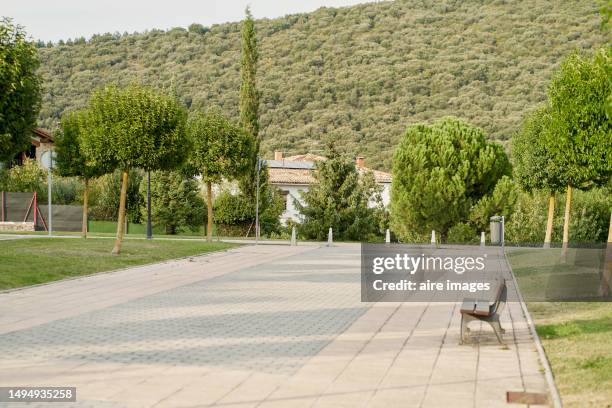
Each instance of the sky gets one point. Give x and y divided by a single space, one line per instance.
52 20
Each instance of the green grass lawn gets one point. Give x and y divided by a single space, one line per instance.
577 336
31 261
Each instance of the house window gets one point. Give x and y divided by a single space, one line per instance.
285 195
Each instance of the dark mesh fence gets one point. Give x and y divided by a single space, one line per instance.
20 207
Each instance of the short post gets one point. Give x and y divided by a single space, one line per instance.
388 237
482 239
293 236
330 237
433 237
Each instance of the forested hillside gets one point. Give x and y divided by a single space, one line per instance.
361 73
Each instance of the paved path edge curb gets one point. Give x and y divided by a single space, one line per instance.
550 379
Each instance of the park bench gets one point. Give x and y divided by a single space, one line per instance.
485 310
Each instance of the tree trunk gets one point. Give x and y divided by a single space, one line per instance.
566 223
209 228
85 208
549 222
606 281
121 219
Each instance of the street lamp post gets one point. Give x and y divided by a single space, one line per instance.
149 227
257 202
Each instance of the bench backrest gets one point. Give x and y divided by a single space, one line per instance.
500 297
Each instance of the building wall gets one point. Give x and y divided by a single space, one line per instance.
294 193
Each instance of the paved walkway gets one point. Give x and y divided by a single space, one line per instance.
266 326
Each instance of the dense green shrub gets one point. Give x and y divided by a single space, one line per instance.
105 197
67 190
500 202
589 222
176 201
28 177
235 213
462 233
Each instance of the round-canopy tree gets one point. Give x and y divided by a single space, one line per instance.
20 89
134 127
535 167
221 150
439 172
71 160
580 130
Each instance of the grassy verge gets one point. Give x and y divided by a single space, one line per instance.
577 336
28 261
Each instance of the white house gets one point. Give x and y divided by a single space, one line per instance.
294 175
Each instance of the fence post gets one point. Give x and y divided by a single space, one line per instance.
3 206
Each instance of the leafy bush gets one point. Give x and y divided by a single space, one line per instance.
589 222
462 233
105 197
235 213
500 202
28 177
176 202
67 190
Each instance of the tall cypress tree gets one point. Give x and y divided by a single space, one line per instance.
249 98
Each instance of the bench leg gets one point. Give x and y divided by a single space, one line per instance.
498 330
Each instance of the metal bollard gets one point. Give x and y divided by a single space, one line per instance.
433 237
388 237
482 239
330 237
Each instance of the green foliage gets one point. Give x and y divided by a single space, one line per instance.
67 190
366 71
249 103
20 89
70 160
589 224
440 172
28 177
500 202
235 213
220 148
233 209
176 202
134 127
104 199
249 97
462 233
535 167
341 199
581 126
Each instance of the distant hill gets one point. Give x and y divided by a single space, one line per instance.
360 73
